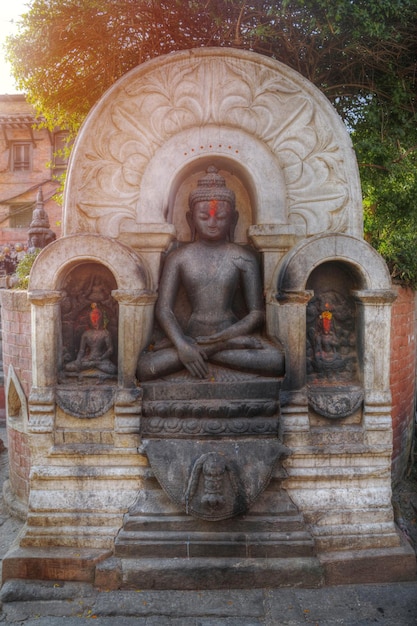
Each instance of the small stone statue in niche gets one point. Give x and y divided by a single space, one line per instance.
211 269
331 352
95 348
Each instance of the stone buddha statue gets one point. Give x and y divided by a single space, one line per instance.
96 347
211 269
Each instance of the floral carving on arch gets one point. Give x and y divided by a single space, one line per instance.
222 90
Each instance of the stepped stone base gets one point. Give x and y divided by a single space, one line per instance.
274 528
109 573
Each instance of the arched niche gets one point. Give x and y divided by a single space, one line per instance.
360 276
334 359
88 286
240 110
107 272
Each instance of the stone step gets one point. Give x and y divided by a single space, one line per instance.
189 545
208 573
186 523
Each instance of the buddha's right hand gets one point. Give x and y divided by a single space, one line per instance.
193 358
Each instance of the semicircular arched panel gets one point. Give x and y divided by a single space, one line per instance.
291 275
59 258
197 99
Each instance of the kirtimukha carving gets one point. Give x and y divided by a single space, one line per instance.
213 271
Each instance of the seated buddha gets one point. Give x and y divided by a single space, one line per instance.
211 269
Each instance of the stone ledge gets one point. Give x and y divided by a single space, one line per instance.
384 565
208 573
49 563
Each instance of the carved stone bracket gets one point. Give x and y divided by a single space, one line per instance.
212 446
214 480
335 401
85 401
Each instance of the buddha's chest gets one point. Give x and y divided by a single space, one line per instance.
211 274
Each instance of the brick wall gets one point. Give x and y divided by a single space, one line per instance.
403 377
19 463
17 351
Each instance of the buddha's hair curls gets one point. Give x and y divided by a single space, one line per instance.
212 187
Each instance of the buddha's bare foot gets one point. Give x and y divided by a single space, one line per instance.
243 343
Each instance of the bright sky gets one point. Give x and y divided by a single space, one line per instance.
9 16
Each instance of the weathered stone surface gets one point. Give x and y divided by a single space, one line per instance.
52 564
380 565
219 573
335 402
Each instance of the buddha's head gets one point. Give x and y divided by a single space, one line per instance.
96 317
212 214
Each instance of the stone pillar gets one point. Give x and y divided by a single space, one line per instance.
274 241
375 325
46 358
46 354
286 318
135 327
286 321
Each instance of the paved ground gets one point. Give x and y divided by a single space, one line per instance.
73 604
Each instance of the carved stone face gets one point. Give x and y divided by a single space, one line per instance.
96 318
212 219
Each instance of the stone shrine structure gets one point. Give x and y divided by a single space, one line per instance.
209 401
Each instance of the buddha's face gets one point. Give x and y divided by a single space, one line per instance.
95 319
213 219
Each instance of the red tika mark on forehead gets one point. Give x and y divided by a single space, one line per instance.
213 208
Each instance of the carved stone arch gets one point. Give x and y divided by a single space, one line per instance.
260 191
292 273
133 295
370 288
56 260
246 105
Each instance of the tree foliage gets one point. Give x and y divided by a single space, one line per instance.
361 53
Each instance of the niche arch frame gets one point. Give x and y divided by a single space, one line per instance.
134 295
288 299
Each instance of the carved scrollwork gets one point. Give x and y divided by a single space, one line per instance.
226 409
169 99
190 427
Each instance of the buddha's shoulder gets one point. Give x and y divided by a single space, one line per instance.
244 252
